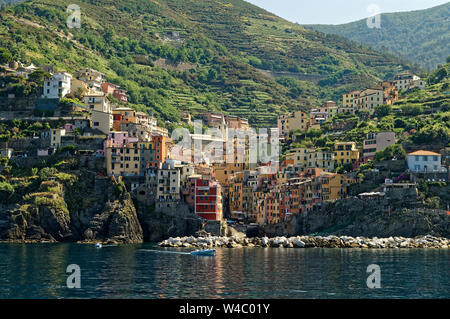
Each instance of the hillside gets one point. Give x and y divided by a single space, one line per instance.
422 36
420 119
177 55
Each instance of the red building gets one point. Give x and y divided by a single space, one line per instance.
208 199
109 88
116 91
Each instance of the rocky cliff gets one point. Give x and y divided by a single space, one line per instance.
68 208
83 207
371 218
168 223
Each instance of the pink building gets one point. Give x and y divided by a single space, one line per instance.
69 127
118 139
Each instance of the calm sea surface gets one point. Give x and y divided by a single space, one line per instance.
140 271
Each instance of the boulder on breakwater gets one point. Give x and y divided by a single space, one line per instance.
427 241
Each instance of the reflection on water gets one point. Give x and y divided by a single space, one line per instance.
138 271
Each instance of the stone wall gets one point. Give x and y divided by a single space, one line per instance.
372 218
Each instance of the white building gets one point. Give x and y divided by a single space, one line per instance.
98 102
55 137
92 78
424 161
59 85
407 81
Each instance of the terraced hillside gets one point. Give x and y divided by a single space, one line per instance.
225 44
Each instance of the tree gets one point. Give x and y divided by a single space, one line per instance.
382 111
5 56
363 115
47 172
390 152
38 76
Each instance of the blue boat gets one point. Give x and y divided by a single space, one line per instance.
204 252
98 245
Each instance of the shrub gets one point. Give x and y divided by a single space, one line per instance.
47 172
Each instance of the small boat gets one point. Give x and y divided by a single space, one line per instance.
204 252
98 245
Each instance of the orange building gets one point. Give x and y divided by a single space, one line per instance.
124 115
160 147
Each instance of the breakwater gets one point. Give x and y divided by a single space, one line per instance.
427 241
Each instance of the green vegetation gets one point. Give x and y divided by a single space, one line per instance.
224 43
18 128
393 151
420 117
420 36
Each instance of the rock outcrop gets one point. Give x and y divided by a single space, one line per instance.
35 224
169 223
82 207
59 212
355 217
116 223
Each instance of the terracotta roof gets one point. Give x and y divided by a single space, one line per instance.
423 153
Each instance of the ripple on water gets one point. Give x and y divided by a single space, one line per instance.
143 271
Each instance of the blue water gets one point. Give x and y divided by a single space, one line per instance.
137 271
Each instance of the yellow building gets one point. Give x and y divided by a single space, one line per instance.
130 159
123 160
367 99
351 100
334 186
370 99
312 158
298 120
78 86
225 172
345 153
